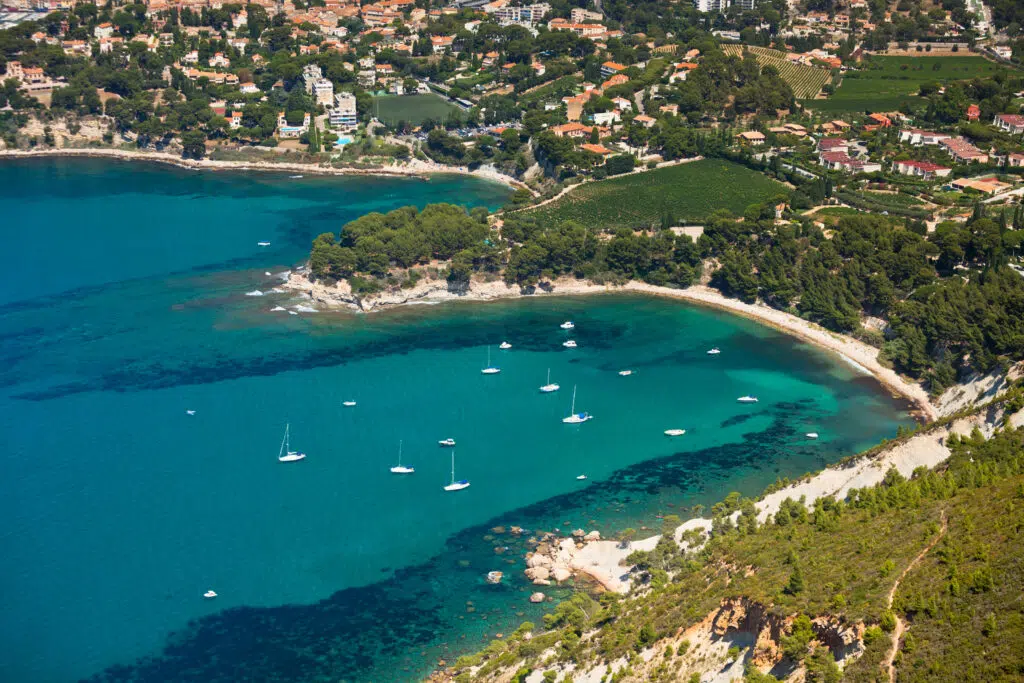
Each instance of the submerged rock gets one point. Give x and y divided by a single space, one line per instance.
537 597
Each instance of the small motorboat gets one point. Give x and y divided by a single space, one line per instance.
446 442
209 595
569 344
674 432
494 577
268 273
811 435
581 477
294 177
714 352
263 244
190 412
747 399
568 325
625 373
505 346
348 404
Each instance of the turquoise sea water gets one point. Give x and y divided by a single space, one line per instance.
122 305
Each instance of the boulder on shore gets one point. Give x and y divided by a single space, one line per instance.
534 573
541 582
592 536
561 574
537 597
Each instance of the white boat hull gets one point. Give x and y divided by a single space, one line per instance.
490 371
576 419
812 435
746 399
548 388
581 477
569 344
625 373
457 486
402 470
292 457
674 432
209 595
449 443
349 404
505 346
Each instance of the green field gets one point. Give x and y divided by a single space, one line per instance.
414 109
688 192
806 81
885 83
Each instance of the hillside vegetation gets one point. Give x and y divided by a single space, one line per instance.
812 586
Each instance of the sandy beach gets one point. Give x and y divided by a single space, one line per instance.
414 168
863 356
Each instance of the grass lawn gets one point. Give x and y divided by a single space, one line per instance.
885 83
688 192
414 109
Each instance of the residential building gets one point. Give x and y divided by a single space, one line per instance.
235 121
610 68
600 150
1011 123
15 71
218 59
973 112
751 137
342 115
104 30
526 15
989 185
579 15
712 6
645 120
1015 160
841 161
571 130
747 5
248 88
963 151
441 43
916 136
921 169
285 131
606 118
833 145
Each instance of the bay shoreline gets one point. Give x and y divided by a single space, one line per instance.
860 355
415 169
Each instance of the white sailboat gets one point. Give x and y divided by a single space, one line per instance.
209 595
549 387
263 244
286 454
747 399
449 442
674 432
490 369
348 404
714 352
399 469
456 485
574 417
811 435
581 477
568 325
504 346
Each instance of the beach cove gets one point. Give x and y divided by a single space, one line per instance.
123 509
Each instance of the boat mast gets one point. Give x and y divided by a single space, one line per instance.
572 411
453 467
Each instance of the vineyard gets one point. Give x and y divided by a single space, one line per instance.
687 192
806 81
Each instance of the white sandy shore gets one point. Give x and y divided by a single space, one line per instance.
414 168
861 355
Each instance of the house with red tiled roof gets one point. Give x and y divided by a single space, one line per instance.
921 169
973 112
1011 123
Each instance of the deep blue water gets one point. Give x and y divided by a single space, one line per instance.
122 304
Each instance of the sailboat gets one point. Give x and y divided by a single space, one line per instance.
449 442
398 469
549 387
287 455
714 352
674 432
490 369
574 417
456 485
209 595
747 399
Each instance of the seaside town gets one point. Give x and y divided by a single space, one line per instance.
849 173
909 107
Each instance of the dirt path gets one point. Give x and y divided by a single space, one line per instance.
889 663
